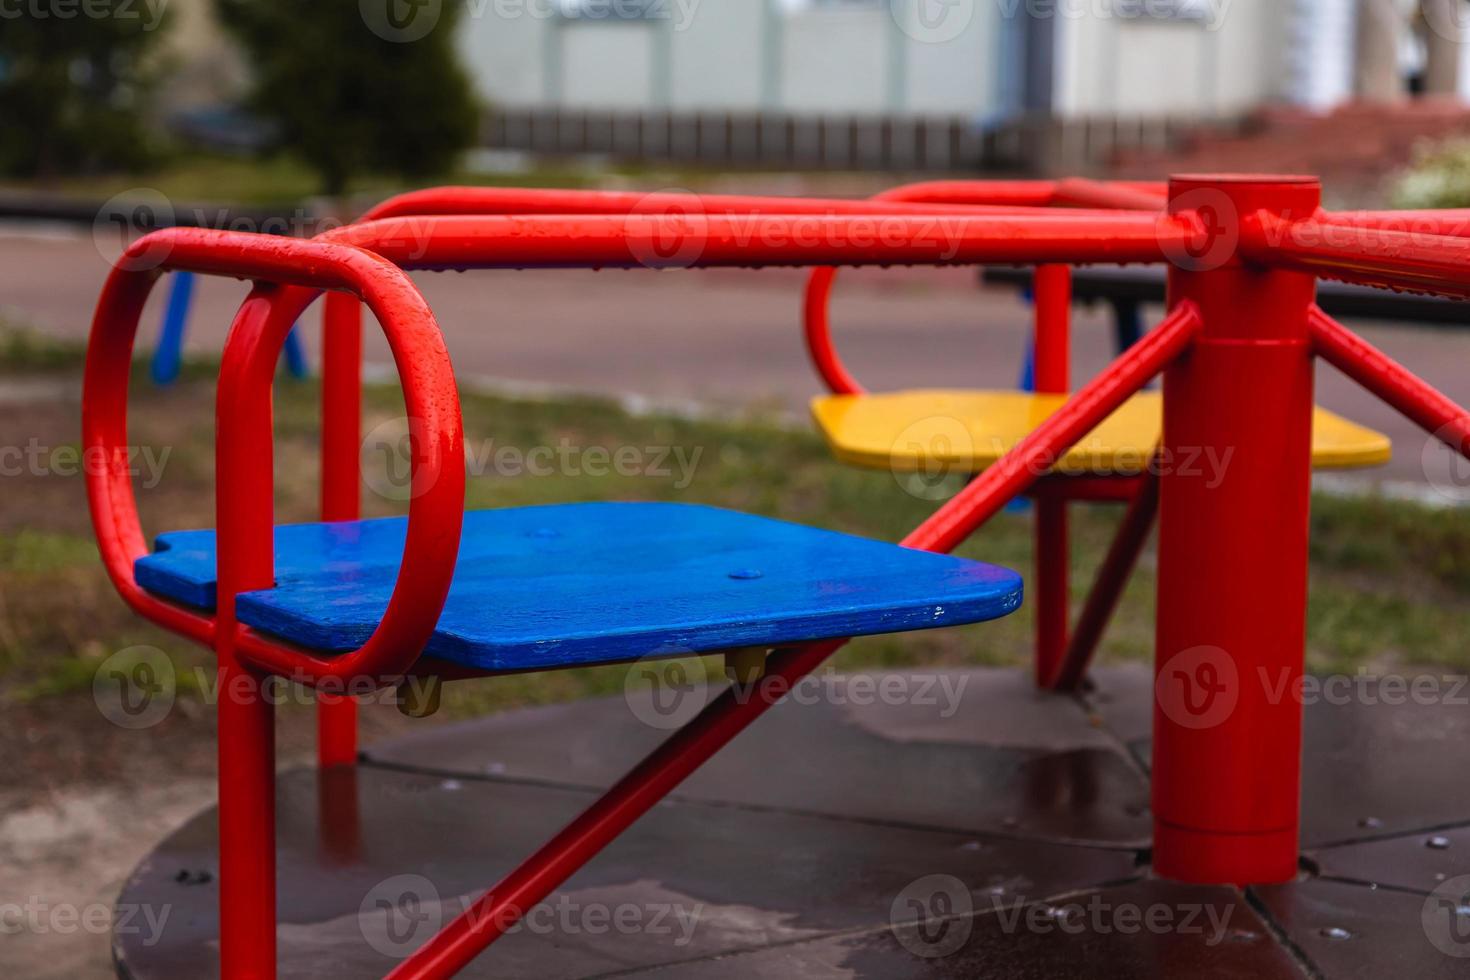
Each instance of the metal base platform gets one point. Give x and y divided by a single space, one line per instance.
883 826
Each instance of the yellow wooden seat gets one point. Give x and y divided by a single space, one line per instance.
961 430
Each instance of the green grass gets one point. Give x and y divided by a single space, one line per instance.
1390 579
282 179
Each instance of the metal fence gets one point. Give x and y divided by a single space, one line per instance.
779 141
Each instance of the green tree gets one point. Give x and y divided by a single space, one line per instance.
74 81
359 86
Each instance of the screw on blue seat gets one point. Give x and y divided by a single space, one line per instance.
581 584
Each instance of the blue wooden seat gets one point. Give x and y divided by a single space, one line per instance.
581 584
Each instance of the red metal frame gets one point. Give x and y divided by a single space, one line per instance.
1232 557
342 319
1051 595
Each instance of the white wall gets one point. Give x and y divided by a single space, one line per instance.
716 56
608 66
858 59
505 56
835 60
1233 60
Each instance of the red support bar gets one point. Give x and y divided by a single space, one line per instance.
1077 192
1112 579
340 485
502 906
1034 455
1233 559
1052 558
1418 401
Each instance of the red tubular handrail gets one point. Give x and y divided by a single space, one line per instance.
632 241
626 241
436 509
1370 256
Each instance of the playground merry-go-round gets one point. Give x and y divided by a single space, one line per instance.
1204 818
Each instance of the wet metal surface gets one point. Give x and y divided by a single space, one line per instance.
847 837
1093 935
1358 933
974 751
690 880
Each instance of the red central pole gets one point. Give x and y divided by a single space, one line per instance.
1234 500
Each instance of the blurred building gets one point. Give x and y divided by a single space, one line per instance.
934 83
939 84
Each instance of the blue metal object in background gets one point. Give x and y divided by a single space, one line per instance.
169 354
168 357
